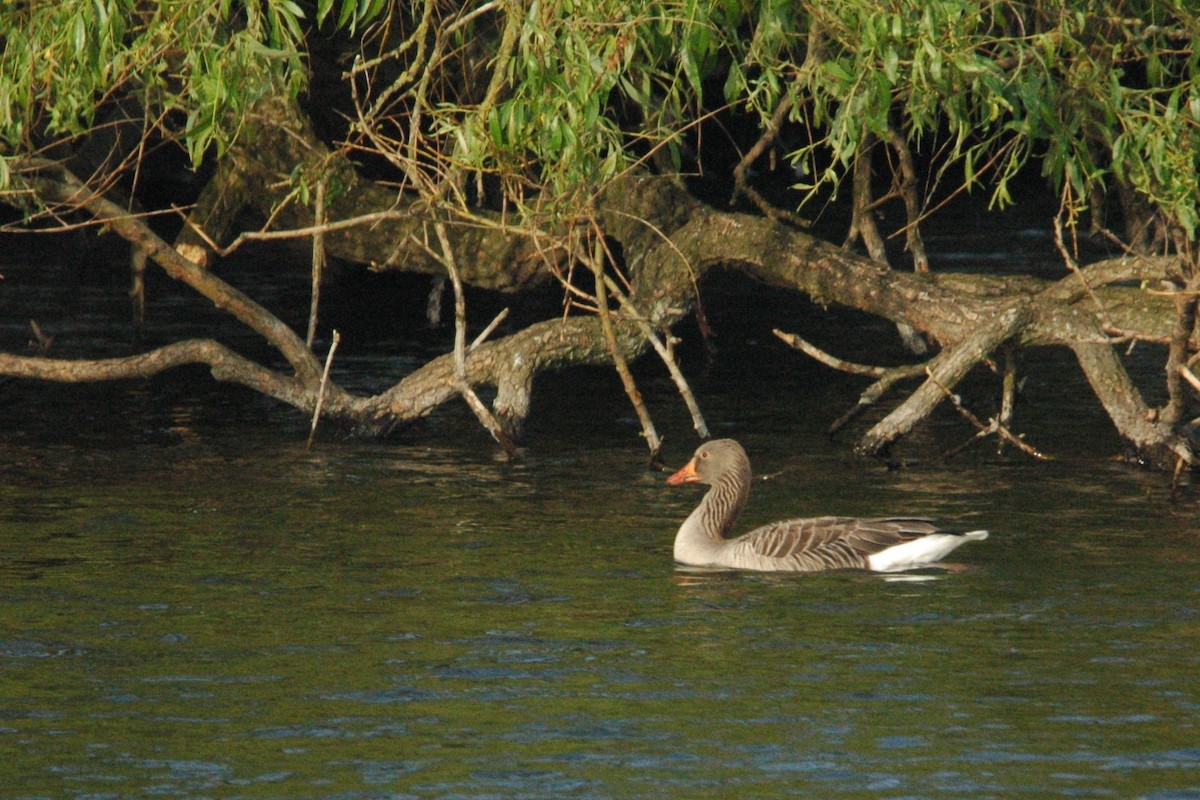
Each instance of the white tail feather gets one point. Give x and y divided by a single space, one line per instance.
920 552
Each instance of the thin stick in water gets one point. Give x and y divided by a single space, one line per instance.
337 337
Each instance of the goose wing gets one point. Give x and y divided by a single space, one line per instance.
821 543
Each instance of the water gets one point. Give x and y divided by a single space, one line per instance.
234 616
193 605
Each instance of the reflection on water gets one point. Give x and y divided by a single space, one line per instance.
236 616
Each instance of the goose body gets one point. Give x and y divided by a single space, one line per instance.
888 544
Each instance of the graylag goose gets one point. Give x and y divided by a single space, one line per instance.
794 545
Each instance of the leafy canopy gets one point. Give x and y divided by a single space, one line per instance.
557 97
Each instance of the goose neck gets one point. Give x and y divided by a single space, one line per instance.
723 503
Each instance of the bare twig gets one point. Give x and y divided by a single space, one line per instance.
886 377
486 332
1177 356
876 390
665 352
1009 391
265 235
993 426
333 344
40 343
1074 267
137 290
1190 377
839 364
1122 335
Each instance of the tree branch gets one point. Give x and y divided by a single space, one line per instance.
945 371
225 365
1128 411
69 191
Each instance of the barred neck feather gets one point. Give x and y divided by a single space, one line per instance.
723 503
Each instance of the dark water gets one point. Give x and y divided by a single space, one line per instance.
193 605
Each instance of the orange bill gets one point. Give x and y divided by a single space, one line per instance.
685 475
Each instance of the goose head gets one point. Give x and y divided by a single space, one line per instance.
712 462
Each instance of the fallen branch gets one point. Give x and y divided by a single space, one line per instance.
224 364
945 371
993 426
1125 407
68 190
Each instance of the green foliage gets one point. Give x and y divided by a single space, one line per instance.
557 97
1096 91
196 67
593 85
1093 92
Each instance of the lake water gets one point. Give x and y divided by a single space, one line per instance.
194 605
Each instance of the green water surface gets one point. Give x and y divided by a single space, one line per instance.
249 619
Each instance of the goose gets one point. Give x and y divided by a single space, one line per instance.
890 544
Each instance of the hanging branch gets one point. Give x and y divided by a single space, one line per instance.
863 227
765 142
667 355
814 56
485 417
318 261
912 206
596 259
